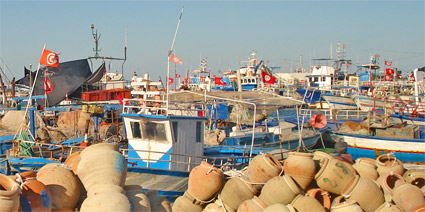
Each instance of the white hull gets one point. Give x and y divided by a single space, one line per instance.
390 144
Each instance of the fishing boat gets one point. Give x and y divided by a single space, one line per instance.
165 139
372 138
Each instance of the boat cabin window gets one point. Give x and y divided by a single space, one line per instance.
154 131
175 124
135 129
198 131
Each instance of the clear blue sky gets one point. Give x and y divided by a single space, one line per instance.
220 30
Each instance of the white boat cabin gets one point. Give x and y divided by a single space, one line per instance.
158 138
321 76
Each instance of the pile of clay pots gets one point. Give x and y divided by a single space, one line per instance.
53 188
307 182
90 180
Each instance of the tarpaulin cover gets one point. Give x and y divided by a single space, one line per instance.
65 78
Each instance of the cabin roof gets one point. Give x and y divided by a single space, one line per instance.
259 98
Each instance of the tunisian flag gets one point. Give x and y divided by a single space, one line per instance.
388 63
219 81
267 78
48 88
389 71
49 58
175 59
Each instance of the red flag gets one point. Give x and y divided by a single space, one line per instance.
49 58
121 99
267 78
219 81
178 76
388 63
170 81
175 59
378 55
389 71
344 46
48 88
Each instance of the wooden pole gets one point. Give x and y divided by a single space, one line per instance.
13 87
4 92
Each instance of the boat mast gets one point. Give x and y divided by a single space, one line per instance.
169 55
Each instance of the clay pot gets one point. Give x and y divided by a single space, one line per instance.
261 169
252 205
279 189
366 168
319 156
61 183
415 177
366 192
333 176
338 200
37 195
408 196
184 204
387 163
106 201
25 175
95 190
9 194
98 147
346 206
205 181
138 199
72 161
110 170
419 209
388 207
307 203
280 208
235 191
388 182
301 167
216 206
322 196
158 203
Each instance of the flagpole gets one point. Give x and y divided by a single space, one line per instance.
29 103
169 54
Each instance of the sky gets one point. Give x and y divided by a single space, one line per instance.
223 32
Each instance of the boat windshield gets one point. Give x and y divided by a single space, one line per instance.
154 131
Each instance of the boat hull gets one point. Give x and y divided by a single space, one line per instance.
406 150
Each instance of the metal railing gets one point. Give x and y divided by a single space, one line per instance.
186 162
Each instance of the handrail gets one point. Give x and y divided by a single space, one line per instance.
191 160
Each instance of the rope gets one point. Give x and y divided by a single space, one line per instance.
220 201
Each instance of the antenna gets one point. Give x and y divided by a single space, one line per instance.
125 51
96 41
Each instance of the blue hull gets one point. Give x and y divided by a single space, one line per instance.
407 157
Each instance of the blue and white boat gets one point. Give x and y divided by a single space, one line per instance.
405 142
165 140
